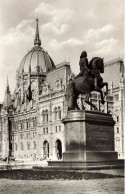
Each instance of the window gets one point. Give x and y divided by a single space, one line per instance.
21 125
59 113
21 136
45 116
28 135
45 130
117 130
56 114
59 128
28 146
27 125
56 129
21 146
34 134
117 119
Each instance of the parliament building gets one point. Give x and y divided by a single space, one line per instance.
31 125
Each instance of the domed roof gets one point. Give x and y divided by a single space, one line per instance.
36 57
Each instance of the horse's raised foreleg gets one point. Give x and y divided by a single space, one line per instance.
106 85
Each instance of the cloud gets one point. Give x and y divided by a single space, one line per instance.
96 33
51 29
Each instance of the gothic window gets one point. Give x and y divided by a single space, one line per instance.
45 116
59 113
56 114
46 129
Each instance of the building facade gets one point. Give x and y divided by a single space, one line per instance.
31 125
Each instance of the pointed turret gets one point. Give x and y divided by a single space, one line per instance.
37 40
7 98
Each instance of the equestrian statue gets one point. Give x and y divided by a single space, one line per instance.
87 81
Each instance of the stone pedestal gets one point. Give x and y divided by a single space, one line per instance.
89 136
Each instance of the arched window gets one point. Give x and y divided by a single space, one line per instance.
59 113
56 114
46 116
43 114
34 122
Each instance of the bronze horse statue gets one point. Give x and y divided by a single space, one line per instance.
85 85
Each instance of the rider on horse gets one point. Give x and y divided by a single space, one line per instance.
84 68
83 63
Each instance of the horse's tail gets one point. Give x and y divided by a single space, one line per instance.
70 96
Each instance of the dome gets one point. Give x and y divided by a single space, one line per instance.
36 57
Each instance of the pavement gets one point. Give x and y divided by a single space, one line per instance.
94 186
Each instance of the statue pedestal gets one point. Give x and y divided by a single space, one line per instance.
89 136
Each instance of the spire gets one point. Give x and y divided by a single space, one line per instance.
7 97
37 40
7 87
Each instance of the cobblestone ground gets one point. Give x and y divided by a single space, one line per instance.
104 186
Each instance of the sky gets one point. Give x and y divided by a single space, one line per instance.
67 27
